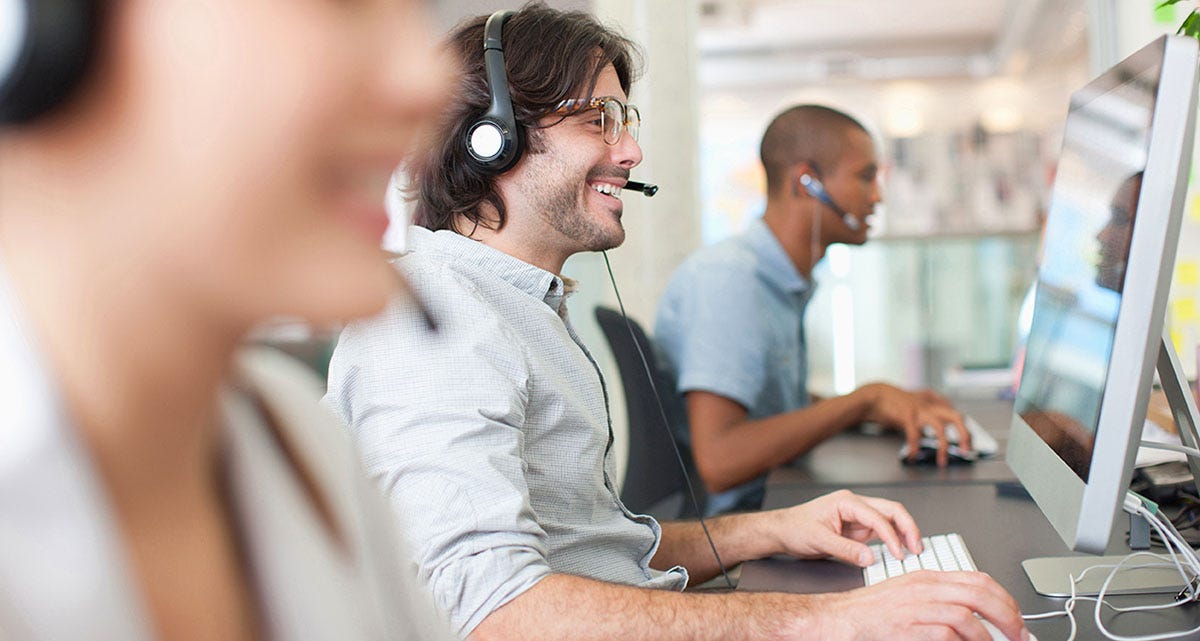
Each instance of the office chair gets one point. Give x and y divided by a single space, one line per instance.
654 484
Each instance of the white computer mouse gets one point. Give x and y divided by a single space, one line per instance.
997 635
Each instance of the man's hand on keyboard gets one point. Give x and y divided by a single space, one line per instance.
921 605
839 525
909 412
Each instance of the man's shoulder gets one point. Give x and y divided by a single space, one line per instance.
732 253
728 263
437 277
466 304
449 295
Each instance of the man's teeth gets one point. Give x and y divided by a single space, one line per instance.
607 189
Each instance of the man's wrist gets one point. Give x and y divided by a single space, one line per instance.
813 618
798 616
761 534
864 401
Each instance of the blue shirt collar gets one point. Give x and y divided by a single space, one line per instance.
776 266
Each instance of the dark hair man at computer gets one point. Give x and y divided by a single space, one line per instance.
492 435
731 321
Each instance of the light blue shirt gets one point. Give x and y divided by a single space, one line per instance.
491 435
731 322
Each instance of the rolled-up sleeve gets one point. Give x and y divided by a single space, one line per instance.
438 419
709 327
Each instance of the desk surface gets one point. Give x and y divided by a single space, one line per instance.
854 459
999 531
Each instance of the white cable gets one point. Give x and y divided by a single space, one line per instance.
1165 525
815 245
1176 547
1171 447
1170 540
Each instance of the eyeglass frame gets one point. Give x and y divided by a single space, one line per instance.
573 106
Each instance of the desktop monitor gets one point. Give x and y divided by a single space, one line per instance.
1102 282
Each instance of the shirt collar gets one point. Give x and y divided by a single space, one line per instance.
776 265
538 283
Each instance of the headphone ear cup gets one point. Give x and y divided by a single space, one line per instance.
45 49
493 144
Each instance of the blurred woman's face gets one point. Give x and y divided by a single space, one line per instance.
271 127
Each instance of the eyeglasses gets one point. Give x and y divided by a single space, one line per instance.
616 117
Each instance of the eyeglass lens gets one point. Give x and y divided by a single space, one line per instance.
618 118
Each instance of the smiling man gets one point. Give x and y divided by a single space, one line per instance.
493 436
731 321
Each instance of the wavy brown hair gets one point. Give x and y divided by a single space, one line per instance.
549 56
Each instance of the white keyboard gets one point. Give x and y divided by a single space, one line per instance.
944 552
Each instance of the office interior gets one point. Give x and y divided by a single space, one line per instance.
966 100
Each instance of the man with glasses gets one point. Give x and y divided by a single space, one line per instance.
492 435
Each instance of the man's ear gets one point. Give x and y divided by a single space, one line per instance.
801 168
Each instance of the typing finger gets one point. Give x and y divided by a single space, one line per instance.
904 522
861 512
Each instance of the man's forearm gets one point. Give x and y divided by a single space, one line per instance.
569 607
737 537
733 451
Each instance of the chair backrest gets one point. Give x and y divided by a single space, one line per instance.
654 483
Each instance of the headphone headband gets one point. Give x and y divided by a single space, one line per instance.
492 30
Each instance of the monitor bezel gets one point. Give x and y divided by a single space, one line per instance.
1084 513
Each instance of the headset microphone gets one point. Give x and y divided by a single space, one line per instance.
817 190
645 188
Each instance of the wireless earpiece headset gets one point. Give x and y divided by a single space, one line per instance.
494 141
815 189
45 48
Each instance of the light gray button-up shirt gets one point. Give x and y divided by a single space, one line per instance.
492 434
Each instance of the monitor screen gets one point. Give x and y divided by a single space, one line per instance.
1110 239
1082 271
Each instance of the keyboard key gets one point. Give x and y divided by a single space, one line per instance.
943 552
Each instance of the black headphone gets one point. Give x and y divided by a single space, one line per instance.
45 48
494 140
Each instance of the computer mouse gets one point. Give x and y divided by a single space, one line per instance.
997 635
927 454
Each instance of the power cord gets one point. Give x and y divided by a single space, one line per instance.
666 424
1181 557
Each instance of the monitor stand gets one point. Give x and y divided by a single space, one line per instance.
1050 576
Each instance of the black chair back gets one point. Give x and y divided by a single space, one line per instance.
654 483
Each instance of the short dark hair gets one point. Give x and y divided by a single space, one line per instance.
549 56
812 133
